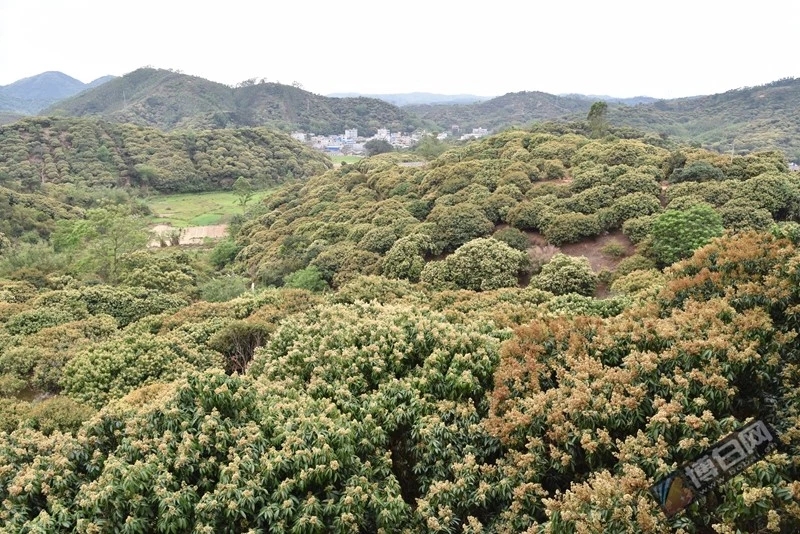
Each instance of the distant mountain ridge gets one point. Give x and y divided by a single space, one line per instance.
630 101
31 95
417 98
171 100
512 109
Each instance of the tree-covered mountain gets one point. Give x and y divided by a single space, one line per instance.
512 109
765 117
628 101
168 100
40 151
30 95
416 98
77 161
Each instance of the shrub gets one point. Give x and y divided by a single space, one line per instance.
513 238
406 258
637 262
742 214
378 240
224 288
677 234
697 171
455 225
309 278
237 342
613 249
638 228
634 205
58 414
570 228
224 253
566 274
484 264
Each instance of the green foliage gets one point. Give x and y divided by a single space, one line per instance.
59 413
406 258
480 265
237 342
597 119
697 171
223 288
309 278
741 214
456 225
224 253
566 274
113 368
640 282
99 241
613 249
513 238
570 228
377 146
676 234
243 190
638 228
637 262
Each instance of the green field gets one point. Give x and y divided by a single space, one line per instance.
339 159
197 209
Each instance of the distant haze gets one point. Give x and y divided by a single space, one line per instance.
613 47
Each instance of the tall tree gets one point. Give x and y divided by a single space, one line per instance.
100 240
597 118
243 190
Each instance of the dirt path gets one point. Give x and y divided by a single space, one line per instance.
191 235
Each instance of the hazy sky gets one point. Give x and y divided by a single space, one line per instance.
620 48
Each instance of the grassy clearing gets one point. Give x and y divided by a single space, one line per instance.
197 209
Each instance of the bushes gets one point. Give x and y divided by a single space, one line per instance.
570 228
309 278
697 171
455 225
406 258
741 214
676 234
111 369
480 265
513 238
566 274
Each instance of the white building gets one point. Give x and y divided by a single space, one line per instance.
300 136
351 135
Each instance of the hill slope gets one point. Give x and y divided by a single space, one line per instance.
169 100
31 95
748 119
37 152
507 110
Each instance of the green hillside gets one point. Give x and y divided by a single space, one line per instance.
512 109
170 100
29 96
766 117
40 151
430 362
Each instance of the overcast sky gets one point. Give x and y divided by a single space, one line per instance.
618 48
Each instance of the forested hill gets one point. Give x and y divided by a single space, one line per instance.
168 100
766 117
40 151
31 95
507 110
748 119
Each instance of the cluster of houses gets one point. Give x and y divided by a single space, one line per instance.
351 143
